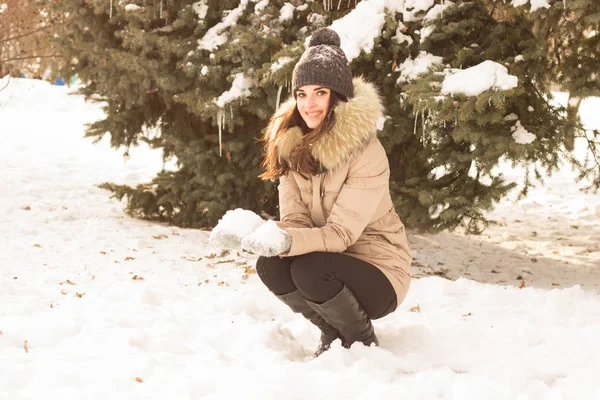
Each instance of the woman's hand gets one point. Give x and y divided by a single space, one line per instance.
268 240
232 227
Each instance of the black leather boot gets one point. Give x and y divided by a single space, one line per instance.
345 314
296 302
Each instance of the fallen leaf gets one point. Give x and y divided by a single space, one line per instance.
175 233
191 259
467 315
63 291
137 278
27 208
25 347
15 277
138 379
80 295
249 270
161 236
129 258
556 284
556 252
93 277
211 256
68 282
206 281
37 245
102 252
522 285
244 277
416 309
210 266
221 283
199 283
223 261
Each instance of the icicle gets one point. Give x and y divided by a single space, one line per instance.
278 97
110 11
220 125
415 127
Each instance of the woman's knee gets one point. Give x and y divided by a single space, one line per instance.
274 272
313 278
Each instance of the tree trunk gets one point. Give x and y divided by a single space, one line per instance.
572 113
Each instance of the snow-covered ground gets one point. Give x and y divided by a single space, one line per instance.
96 305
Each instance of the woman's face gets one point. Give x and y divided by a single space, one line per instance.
313 102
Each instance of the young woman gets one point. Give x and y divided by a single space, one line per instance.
343 259
339 254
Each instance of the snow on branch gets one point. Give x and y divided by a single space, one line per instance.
479 78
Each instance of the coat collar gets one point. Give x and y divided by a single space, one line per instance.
355 123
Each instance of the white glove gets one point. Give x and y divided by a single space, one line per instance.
268 240
232 227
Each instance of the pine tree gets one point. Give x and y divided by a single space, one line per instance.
166 72
199 80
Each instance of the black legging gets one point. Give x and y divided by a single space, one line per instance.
320 276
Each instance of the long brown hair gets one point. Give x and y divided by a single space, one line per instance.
301 158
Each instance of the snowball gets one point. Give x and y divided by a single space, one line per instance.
268 239
238 222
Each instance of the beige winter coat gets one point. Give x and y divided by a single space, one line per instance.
347 209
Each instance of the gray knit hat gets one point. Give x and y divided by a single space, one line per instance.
324 63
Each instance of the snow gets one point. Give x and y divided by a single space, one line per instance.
132 7
286 12
95 304
281 61
479 78
535 4
522 135
267 238
216 35
239 88
201 9
434 12
237 222
260 6
3 7
410 69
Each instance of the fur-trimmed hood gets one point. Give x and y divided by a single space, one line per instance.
355 123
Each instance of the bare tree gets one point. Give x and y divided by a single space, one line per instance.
25 38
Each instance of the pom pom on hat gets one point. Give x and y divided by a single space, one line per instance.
324 36
324 63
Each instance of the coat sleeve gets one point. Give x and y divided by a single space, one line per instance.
357 202
293 211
